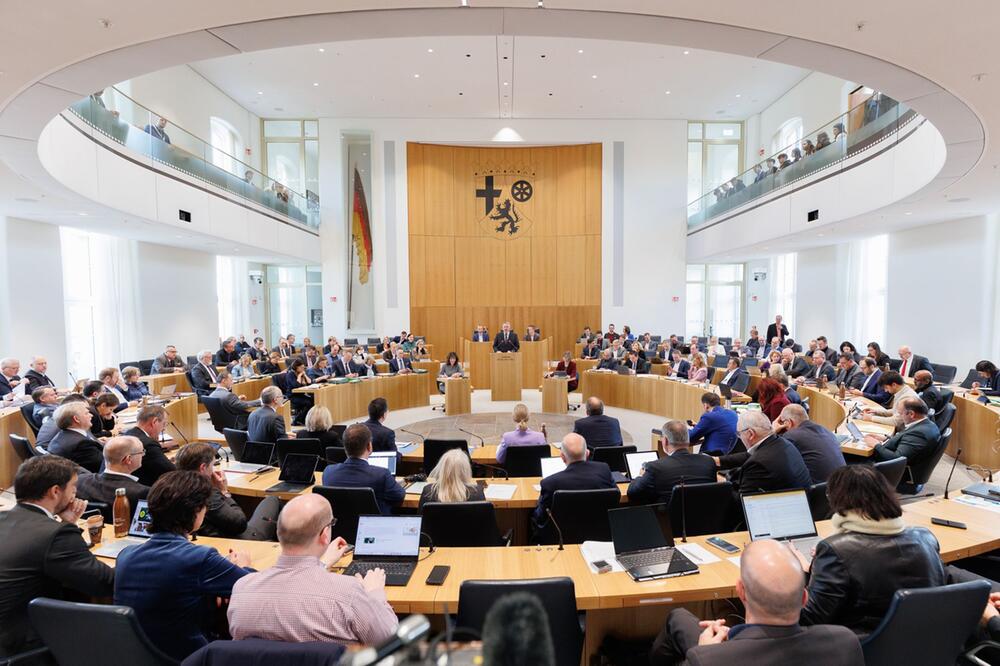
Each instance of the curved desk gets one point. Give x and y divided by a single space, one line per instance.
350 400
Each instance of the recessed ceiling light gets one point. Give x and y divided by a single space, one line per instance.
81 214
416 76
579 50
666 92
430 50
260 92
909 212
593 76
687 53
506 83
738 95
321 50
315 84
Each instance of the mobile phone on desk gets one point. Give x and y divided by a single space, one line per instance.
949 523
438 575
723 545
602 566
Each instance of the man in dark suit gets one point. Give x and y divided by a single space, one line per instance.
923 384
355 472
580 474
818 447
776 330
831 354
506 340
401 364
233 404
532 335
795 366
680 366
596 428
265 423
480 334
74 440
736 376
203 375
42 557
772 589
770 462
283 348
122 457
383 439
36 377
850 375
228 353
988 373
149 425
590 350
918 438
637 365
345 365
46 402
821 368
167 362
607 361
871 388
911 362
9 378
717 426
659 477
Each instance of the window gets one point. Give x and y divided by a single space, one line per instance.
788 134
291 153
867 288
783 269
232 276
294 301
226 146
714 303
715 153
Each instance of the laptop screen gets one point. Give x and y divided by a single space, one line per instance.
552 465
640 528
384 459
635 462
855 433
140 520
395 536
257 453
781 515
298 468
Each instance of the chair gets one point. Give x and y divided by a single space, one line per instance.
944 417
309 447
78 633
192 361
125 364
581 515
261 652
462 524
918 473
526 460
819 505
558 597
895 364
973 376
946 395
146 367
435 448
339 429
748 362
892 470
726 342
236 440
912 631
350 342
708 508
614 456
374 341
741 383
335 455
107 511
22 447
28 412
720 361
278 379
943 374
221 418
348 504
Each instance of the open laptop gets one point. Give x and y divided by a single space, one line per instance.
168 390
298 472
726 390
644 544
256 458
635 461
390 543
784 516
552 465
384 459
138 532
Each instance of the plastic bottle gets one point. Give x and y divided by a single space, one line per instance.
122 512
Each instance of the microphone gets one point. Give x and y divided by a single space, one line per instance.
684 525
953 464
180 432
494 468
429 540
981 471
556 525
410 432
482 442
409 631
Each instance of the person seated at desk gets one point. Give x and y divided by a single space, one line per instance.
771 587
917 439
876 354
772 397
892 383
506 340
49 429
242 346
481 334
170 582
36 377
818 447
990 384
41 556
590 350
9 379
390 353
647 343
680 368
271 364
658 478
74 440
135 390
923 384
296 377
232 404
770 462
400 365
319 425
383 439
735 374
777 373
910 362
321 370
870 387
567 365
408 343
149 425
420 351
794 366
46 401
521 435
112 383
635 364
850 375
102 411
531 335
820 371
265 423
122 457
379 348
617 350
227 354
309 356
773 359
355 472
369 367
580 474
698 372
345 365
586 336
451 481
284 349
716 428
450 368
714 348
299 600
596 428
607 362
244 369
203 375
223 516
259 351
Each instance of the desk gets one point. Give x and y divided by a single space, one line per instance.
476 361
975 430
432 368
251 388
534 356
457 396
555 395
646 393
826 409
505 376
481 454
350 400
157 383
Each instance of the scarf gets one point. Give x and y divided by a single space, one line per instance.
855 522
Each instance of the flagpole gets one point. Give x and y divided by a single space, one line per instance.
350 265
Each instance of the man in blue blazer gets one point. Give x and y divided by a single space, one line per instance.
481 334
717 427
383 438
401 364
580 474
345 365
736 377
870 387
680 366
355 472
596 428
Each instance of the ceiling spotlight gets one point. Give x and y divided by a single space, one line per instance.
315 85
430 50
909 212
593 76
738 95
81 214
505 83
687 53
260 92
463 3
541 4
416 76
579 50
321 50
666 92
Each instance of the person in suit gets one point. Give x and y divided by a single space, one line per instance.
400 365
345 366
259 351
918 438
607 361
270 365
679 465
36 377
770 462
635 364
265 423
823 345
451 481
596 428
319 425
821 370
480 334
9 379
990 376
112 383
899 391
355 472
716 428
234 405
870 387
531 335
580 474
170 582
122 457
567 365
795 366
681 367
776 330
772 588
46 402
134 389
284 349
450 368
880 357
850 375
911 362
818 447
735 375
296 377
204 375
102 415
321 370
506 340
158 130
149 425
590 350
383 439
74 441
242 346
586 336
923 384
43 557
227 353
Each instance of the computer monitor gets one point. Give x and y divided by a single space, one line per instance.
635 462
384 459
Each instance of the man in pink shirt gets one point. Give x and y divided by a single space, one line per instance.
298 599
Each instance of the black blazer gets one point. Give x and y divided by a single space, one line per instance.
775 465
581 475
85 452
265 425
509 345
222 357
917 362
38 380
590 352
913 443
658 481
224 517
40 558
396 364
101 488
5 386
383 439
473 493
799 367
819 449
202 379
772 332
641 367
326 437
599 430
932 398
353 368
770 644
231 404
154 462
265 367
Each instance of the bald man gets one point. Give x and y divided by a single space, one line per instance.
36 377
298 599
910 362
122 457
596 428
923 384
772 588
580 474
818 447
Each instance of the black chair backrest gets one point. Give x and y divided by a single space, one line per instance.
742 382
943 374
373 341
526 460
22 448
819 505
582 515
945 416
461 524
614 456
82 633
707 508
107 511
435 448
973 376
912 631
557 595
146 367
28 413
947 395
252 651
339 429
335 455
720 361
125 364
892 470
309 447
221 418
236 440
749 362
348 504
350 342
278 379
728 342
192 361
919 472
895 364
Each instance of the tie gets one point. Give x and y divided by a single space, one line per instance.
903 369
345 366
211 373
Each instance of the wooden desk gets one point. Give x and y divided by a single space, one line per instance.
555 395
476 357
432 368
251 388
646 393
350 400
479 454
157 383
263 554
457 396
505 376
534 357
975 430
11 423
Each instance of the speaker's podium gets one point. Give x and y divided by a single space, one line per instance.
505 376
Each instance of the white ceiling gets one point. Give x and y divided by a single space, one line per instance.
499 76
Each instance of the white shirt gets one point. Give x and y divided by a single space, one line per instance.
85 433
729 375
867 380
39 506
114 390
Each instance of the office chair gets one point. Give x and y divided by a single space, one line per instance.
581 515
258 651
943 374
462 524
28 413
819 505
526 460
221 418
310 447
945 416
347 505
125 364
708 508
435 448
146 367
613 456
22 449
919 472
892 470
236 440
335 455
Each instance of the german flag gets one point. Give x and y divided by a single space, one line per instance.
361 229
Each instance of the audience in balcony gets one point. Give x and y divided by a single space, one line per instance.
157 130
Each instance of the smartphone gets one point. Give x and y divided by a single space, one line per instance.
949 523
602 566
723 545
690 423
438 575
349 548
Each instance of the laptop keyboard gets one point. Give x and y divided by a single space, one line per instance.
401 568
648 558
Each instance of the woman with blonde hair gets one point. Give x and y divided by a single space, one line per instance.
244 369
451 481
319 425
520 436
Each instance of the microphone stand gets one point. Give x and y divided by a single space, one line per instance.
410 432
179 432
684 528
482 442
494 468
953 464
556 525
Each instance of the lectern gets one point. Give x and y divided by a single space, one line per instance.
457 396
505 376
555 398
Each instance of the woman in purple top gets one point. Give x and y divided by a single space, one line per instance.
520 436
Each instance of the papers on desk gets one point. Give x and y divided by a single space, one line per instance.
735 559
696 553
978 502
537 486
416 488
500 491
403 447
594 551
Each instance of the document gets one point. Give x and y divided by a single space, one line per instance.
696 553
500 491
593 551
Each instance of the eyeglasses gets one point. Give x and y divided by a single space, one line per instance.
137 453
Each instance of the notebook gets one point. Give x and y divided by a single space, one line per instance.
644 543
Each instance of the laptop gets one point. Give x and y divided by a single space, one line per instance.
169 390
384 459
726 390
644 544
256 456
390 543
298 472
784 516
138 532
552 465
636 461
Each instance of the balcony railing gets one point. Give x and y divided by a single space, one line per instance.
132 125
871 123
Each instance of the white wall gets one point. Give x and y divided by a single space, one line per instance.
819 285
757 297
817 99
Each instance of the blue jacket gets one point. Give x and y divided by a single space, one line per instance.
136 391
357 473
172 584
718 428
581 475
875 392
